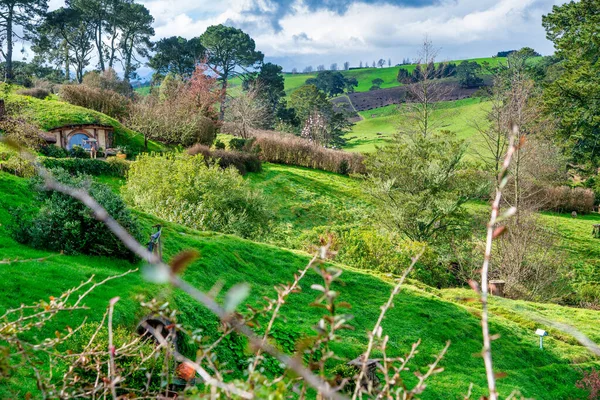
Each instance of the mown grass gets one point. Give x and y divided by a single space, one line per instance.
53 113
429 315
379 125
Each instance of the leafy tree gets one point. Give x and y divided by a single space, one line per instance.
467 74
136 30
228 48
15 13
331 82
67 27
377 82
574 96
404 76
95 13
418 186
346 65
333 67
381 63
351 83
177 55
268 86
320 122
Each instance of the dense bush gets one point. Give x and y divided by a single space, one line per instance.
113 166
104 101
291 150
79 152
38 93
20 131
13 163
53 151
183 189
243 162
566 199
65 224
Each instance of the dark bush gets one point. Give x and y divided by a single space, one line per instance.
65 224
243 162
38 93
78 152
219 145
53 151
113 166
237 144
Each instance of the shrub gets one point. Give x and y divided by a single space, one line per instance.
21 131
243 162
38 93
237 143
104 101
219 145
566 199
199 196
113 166
78 152
13 163
65 224
53 151
291 150
107 80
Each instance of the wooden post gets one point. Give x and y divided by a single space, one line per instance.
496 287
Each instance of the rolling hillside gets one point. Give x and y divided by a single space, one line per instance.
420 312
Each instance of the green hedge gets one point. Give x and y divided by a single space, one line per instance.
113 166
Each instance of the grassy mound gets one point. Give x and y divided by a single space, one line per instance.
52 113
431 315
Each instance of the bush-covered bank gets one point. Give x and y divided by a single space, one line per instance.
550 374
244 162
112 166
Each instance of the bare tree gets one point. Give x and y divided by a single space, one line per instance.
308 69
422 97
294 70
361 65
320 67
374 64
527 261
389 62
333 67
347 65
246 112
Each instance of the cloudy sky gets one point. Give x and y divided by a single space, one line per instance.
297 33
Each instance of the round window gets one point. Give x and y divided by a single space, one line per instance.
78 139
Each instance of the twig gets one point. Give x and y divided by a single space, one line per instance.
487 348
111 347
377 328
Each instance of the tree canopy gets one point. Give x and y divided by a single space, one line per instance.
177 55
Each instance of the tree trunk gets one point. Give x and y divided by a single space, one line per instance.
67 62
223 95
9 45
99 46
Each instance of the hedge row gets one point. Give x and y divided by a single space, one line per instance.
288 149
113 166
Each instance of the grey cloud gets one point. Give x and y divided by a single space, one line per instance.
280 8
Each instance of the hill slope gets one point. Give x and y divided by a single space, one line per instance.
51 113
428 314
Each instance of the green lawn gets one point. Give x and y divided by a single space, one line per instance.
380 124
431 315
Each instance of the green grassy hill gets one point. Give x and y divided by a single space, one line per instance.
52 113
365 76
380 124
420 313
